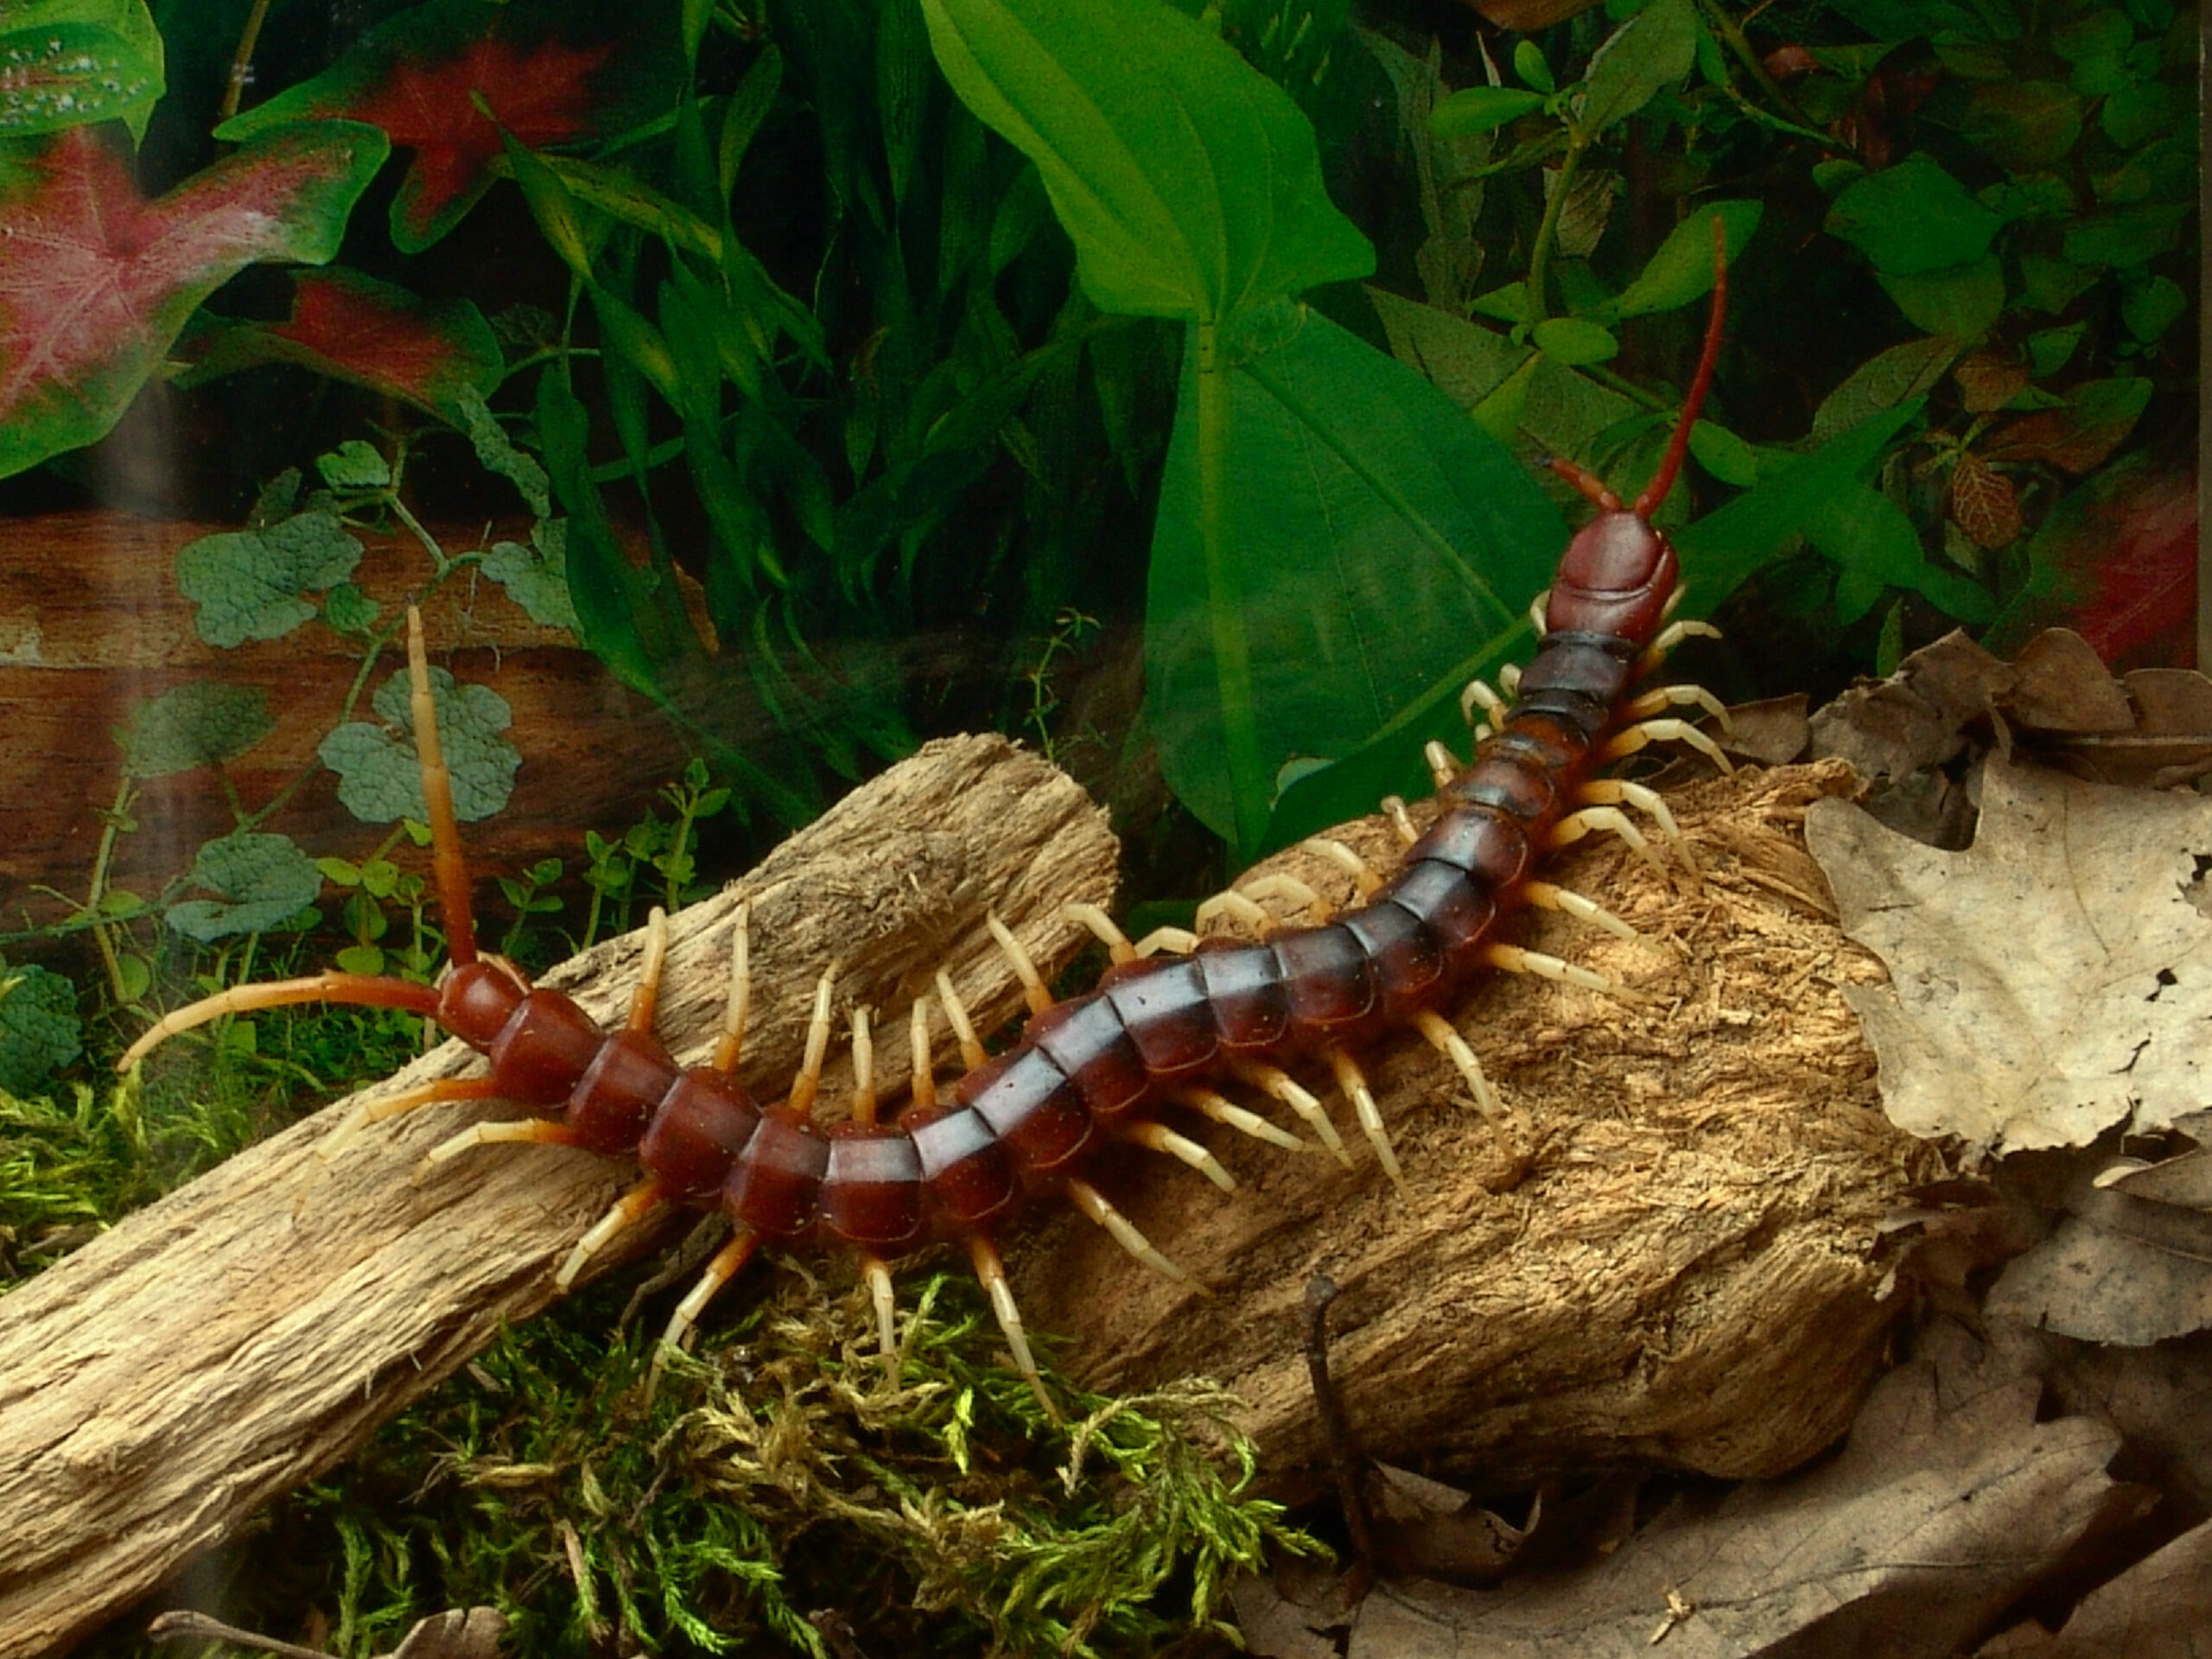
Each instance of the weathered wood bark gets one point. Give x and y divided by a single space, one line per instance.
1673 1249
245 1333
91 623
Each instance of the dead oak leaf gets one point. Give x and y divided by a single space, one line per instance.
1948 1499
2047 984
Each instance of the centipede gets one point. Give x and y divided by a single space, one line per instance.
1172 1021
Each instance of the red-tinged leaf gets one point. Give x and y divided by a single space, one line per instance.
96 282
1989 380
354 327
1983 502
2116 562
2098 417
421 76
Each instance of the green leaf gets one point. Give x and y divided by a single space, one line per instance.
1913 218
496 452
39 1031
2135 115
1650 52
2049 349
536 578
70 64
259 880
249 584
2126 236
1481 109
1884 381
355 464
1574 342
2023 124
1529 64
1681 270
1723 455
1189 183
346 609
2149 309
1963 301
379 779
1375 541
206 723
1723 549
1875 547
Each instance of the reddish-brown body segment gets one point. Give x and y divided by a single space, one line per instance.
1101 1066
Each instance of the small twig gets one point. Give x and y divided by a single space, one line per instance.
185 1626
1320 1291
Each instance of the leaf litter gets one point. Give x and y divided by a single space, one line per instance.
2037 1479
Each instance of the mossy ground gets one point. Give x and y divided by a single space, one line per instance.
783 1491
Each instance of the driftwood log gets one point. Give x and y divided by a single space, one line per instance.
1670 1249
245 1333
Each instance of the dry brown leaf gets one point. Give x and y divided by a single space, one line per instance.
2048 983
2160 1608
2117 1269
1947 1501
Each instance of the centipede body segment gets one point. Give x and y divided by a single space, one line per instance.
1157 1032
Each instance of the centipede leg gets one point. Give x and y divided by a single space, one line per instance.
1478 694
524 1131
1274 1081
992 1272
1353 1082
1228 1112
1512 959
1661 698
876 1272
1158 1137
436 1092
1616 792
729 1262
1238 907
629 1210
1035 991
1118 948
1546 895
1279 885
1092 1203
1364 878
1645 733
731 1044
1443 765
1614 821
1401 821
1671 636
808 1082
1450 1044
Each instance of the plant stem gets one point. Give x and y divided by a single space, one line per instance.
242 60
1540 257
1232 649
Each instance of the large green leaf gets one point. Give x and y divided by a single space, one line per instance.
1190 183
1375 540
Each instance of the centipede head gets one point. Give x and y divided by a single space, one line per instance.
1620 570
475 998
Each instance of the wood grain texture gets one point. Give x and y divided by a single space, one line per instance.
1676 1248
245 1333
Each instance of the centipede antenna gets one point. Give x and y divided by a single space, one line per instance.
1447 1041
1443 765
1033 988
729 1262
632 1207
877 1274
366 990
1401 821
1613 822
1227 1112
1645 733
992 1272
1594 489
864 1101
731 1044
1159 1138
1353 1082
1512 959
531 1131
451 874
1547 896
1655 493
808 1082
964 1030
1661 698
1613 791
1364 879
1273 1080
1092 1203
922 1091
1102 926
646 997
